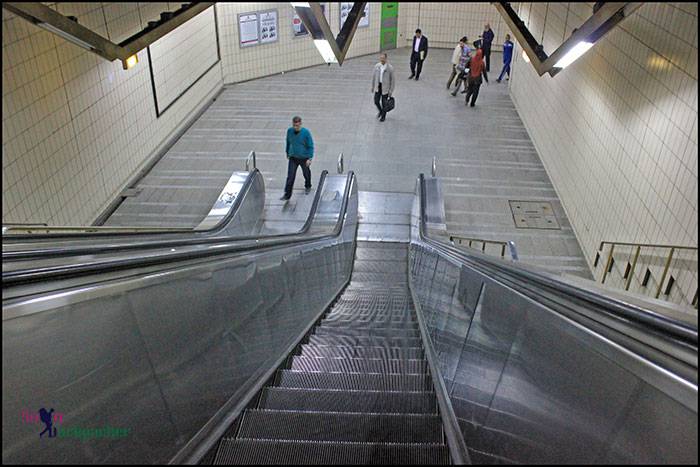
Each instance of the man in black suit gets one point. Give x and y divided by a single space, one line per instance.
418 53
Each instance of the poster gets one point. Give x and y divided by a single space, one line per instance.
298 25
248 29
268 26
345 10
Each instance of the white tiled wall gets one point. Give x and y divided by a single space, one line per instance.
445 23
76 127
618 131
289 52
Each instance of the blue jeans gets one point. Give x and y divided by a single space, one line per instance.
295 162
506 69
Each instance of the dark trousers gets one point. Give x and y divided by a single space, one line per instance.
461 78
506 69
295 162
473 89
487 57
416 63
380 101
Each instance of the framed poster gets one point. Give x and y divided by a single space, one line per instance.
248 29
269 30
345 10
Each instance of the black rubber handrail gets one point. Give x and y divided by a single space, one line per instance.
627 313
104 248
32 275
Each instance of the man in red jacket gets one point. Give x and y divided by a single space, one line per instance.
477 68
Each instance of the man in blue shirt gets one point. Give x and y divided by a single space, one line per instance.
300 152
487 38
507 57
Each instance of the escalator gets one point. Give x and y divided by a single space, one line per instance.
358 391
312 347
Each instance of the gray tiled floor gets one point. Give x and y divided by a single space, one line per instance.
485 156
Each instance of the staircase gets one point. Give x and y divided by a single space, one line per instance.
358 391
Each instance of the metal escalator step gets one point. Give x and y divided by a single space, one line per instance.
359 365
353 381
369 331
381 266
362 322
374 254
380 278
310 350
273 452
336 426
325 400
365 341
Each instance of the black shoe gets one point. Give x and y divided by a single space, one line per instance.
463 92
471 105
307 190
498 80
454 93
285 198
411 77
379 114
416 78
383 118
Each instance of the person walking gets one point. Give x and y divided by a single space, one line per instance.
456 53
477 68
462 66
418 54
382 84
487 37
507 57
300 152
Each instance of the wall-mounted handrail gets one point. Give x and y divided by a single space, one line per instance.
250 160
341 163
433 169
638 247
459 240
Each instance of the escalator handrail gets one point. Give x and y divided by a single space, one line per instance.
195 240
683 332
32 275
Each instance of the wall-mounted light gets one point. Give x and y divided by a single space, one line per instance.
575 52
325 50
130 62
300 4
65 35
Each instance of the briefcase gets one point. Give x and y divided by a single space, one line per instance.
390 104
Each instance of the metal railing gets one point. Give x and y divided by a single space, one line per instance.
341 163
461 241
433 169
637 250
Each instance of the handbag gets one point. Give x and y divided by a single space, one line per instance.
390 104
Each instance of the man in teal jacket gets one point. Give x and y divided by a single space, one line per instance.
300 152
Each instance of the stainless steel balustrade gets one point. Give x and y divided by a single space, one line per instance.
169 344
540 370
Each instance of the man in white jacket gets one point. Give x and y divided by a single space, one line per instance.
382 85
455 59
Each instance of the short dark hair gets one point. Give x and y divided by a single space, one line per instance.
296 119
418 31
464 39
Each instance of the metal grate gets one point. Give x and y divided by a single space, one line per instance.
534 215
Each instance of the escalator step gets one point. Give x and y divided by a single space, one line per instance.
335 426
381 266
353 381
310 350
365 341
363 322
324 400
359 365
252 452
373 254
386 279
367 332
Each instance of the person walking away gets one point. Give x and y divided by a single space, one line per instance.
418 54
382 85
300 152
462 67
456 53
477 68
507 57
487 38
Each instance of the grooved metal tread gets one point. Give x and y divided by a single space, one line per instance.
365 341
368 331
359 365
312 350
362 322
356 381
340 426
333 400
252 452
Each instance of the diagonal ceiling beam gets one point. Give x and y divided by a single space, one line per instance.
49 19
606 16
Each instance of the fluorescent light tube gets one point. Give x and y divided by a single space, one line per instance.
300 4
65 35
325 50
571 56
